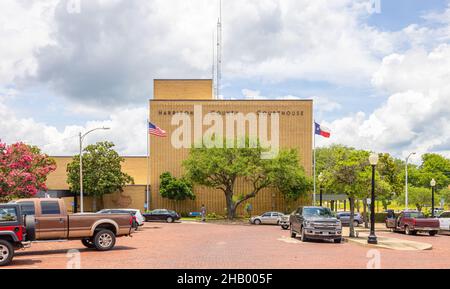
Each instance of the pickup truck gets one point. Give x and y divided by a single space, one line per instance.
315 223
412 222
52 223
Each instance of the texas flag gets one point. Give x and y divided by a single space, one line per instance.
319 130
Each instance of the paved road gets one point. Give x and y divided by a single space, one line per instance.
194 245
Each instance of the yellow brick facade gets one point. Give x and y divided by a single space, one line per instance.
295 132
169 89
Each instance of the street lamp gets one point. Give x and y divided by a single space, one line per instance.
373 159
406 180
433 188
82 136
320 187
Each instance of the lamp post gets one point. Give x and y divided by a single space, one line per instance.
82 136
373 159
406 180
433 188
320 188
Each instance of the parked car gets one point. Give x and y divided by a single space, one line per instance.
411 222
268 218
344 217
315 223
444 221
438 211
283 221
162 215
97 231
13 232
139 219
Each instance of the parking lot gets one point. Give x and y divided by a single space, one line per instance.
190 245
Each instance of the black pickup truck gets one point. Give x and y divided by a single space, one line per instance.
316 223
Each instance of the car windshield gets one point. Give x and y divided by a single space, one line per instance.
319 212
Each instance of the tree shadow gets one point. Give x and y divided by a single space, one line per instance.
64 251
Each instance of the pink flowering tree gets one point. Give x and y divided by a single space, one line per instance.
23 171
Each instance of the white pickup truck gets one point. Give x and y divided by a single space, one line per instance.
444 221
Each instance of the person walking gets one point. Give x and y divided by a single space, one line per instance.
203 212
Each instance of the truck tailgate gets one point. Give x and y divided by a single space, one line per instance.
427 223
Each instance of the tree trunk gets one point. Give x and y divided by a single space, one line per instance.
231 210
366 224
352 217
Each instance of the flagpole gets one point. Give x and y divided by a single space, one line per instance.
147 192
314 164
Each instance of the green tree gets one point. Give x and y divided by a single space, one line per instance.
434 166
389 184
350 175
175 189
220 168
445 194
419 196
102 172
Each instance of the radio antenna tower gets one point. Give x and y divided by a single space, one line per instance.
214 65
219 51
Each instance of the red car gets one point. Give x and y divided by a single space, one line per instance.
13 232
412 222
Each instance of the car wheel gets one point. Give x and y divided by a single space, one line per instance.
6 253
88 243
104 240
433 233
293 234
257 222
169 220
338 241
355 224
304 239
285 227
408 231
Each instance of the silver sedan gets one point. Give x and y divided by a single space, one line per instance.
268 218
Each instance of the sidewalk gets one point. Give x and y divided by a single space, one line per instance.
385 242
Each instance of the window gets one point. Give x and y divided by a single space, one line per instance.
8 215
266 215
319 212
275 214
27 208
50 208
445 215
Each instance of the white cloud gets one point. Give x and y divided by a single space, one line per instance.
24 27
128 132
416 116
251 94
111 51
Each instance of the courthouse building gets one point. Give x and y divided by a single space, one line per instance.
175 97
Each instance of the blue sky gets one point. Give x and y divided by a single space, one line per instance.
63 72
